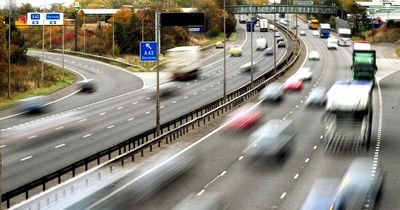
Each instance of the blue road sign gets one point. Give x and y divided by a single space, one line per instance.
148 51
35 16
53 16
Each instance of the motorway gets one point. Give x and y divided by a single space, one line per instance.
109 121
284 185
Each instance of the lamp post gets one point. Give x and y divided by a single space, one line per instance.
9 50
224 52
251 44
275 36
42 71
158 71
77 7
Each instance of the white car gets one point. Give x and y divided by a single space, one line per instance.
304 73
315 33
277 34
332 46
247 66
281 44
302 33
314 55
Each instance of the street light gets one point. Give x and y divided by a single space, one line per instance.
77 7
224 52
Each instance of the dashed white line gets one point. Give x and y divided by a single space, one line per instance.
283 195
162 107
148 98
321 137
223 173
306 161
87 135
241 157
121 107
26 158
148 112
31 137
61 127
111 126
185 97
201 192
134 103
83 120
296 176
2 146
173 102
315 147
130 119
195 93
58 146
103 113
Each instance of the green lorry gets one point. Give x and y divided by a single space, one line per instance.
364 62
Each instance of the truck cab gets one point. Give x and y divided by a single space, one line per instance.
344 36
364 62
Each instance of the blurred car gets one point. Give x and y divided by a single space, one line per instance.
304 73
317 97
87 85
273 92
294 26
293 84
277 34
247 66
261 43
166 88
236 50
269 51
315 33
279 39
205 201
302 33
332 44
281 44
219 45
243 118
33 105
314 55
274 139
321 194
360 186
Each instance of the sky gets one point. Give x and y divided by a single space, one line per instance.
36 3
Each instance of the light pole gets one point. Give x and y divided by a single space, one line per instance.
224 52
9 50
113 50
42 72
77 7
251 44
275 36
158 71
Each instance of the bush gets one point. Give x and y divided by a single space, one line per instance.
213 32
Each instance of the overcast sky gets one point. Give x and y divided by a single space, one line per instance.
36 3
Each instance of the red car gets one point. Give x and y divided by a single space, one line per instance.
293 84
243 118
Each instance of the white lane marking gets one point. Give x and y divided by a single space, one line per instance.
321 137
306 161
134 103
2 146
148 98
201 192
223 173
83 120
111 126
195 93
87 135
173 102
26 158
121 107
162 107
31 137
130 119
315 147
103 113
61 127
148 112
185 97
241 157
283 195
296 176
58 146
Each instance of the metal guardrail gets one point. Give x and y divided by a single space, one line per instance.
170 130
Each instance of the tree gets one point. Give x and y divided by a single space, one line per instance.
358 16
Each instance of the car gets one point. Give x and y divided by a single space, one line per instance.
332 44
317 97
243 118
279 39
320 194
33 105
166 88
315 33
304 73
293 84
87 85
247 66
219 45
361 184
302 33
277 34
281 44
273 92
273 140
236 50
261 43
269 51
314 55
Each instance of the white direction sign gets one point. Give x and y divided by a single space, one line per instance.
53 18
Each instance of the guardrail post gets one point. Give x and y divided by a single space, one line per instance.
110 168
73 172
151 148
56 197
44 186
133 157
27 195
59 179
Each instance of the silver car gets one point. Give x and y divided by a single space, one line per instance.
317 97
273 92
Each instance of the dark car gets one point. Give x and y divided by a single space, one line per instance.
87 85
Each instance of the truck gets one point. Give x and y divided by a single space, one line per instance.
364 62
184 62
313 24
250 25
344 36
324 30
348 116
263 25
261 43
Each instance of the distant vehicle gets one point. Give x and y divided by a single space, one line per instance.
272 27
219 45
281 44
317 97
315 33
324 30
277 34
304 73
269 51
359 186
275 139
243 118
293 84
314 24
344 36
166 88
261 43
205 201
314 55
250 26
279 39
87 85
302 33
332 44
284 22
236 50
33 105
263 25
247 66
364 62
272 92
242 19
184 62
321 194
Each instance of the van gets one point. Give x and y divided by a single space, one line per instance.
261 43
274 139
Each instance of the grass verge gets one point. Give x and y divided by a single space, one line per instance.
68 79
398 51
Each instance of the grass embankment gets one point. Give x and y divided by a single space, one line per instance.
220 38
61 82
398 51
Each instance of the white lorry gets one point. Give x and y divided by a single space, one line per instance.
263 25
184 62
344 36
348 116
261 43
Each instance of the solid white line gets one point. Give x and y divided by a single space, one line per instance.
61 127
26 158
296 176
58 146
223 173
111 126
2 146
87 135
283 195
83 120
103 113
31 137
201 192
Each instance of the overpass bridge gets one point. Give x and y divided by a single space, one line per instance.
292 9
